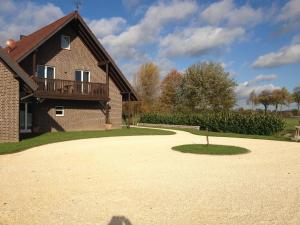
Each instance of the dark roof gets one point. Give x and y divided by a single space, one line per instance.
29 43
34 40
17 69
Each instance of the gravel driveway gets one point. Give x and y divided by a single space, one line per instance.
141 181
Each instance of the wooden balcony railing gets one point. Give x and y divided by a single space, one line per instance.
69 89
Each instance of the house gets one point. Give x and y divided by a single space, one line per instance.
59 78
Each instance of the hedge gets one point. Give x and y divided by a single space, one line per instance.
234 122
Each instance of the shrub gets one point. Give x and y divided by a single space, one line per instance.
235 122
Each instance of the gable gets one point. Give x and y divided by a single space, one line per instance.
65 61
38 38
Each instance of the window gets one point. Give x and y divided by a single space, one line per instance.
45 72
59 111
85 78
65 42
82 76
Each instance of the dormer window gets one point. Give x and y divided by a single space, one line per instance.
65 42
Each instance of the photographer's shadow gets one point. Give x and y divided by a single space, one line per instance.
119 220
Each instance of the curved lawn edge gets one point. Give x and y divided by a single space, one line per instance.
54 137
211 149
229 135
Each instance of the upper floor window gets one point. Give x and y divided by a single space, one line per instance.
82 76
65 42
45 72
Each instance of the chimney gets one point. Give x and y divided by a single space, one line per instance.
22 36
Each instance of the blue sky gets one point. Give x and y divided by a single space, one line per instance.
258 42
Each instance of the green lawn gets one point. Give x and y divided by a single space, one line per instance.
290 128
211 149
223 134
6 148
291 123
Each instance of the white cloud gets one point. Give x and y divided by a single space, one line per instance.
25 17
258 84
104 27
243 90
147 30
296 39
227 12
198 41
130 3
290 11
263 77
7 5
286 55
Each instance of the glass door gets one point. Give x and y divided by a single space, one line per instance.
47 73
84 78
25 117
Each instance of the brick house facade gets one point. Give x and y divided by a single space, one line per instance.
9 104
76 88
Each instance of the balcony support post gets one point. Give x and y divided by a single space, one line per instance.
107 93
107 79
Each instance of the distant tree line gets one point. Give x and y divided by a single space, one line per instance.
203 86
277 98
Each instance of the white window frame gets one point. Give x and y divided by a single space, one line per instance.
45 70
45 73
62 109
62 39
81 77
25 130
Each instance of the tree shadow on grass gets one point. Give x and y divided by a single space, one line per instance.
119 220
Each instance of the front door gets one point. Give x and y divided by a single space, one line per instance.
25 117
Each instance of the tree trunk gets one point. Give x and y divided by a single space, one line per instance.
266 109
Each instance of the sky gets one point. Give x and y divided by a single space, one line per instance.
257 42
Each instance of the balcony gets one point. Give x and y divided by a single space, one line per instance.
70 90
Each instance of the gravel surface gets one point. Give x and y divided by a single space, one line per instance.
141 181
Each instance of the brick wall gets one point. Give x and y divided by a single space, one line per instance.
79 115
116 105
66 61
9 105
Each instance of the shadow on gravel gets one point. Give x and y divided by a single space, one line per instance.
119 220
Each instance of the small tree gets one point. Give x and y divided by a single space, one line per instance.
266 98
253 100
296 95
169 87
147 82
